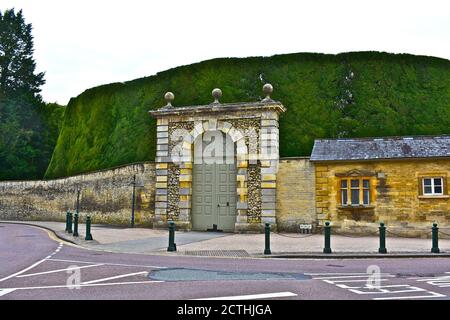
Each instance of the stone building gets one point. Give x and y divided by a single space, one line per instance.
402 181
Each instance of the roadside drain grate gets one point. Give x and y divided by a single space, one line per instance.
218 253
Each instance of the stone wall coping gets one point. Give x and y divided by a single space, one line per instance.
123 166
219 107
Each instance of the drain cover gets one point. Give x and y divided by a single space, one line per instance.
182 274
217 253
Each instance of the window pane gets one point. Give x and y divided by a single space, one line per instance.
343 184
427 182
437 189
366 196
427 190
366 184
438 182
355 196
344 197
355 183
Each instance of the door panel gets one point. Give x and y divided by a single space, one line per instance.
214 198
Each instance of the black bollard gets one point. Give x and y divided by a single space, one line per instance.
67 220
382 248
75 225
327 233
88 229
435 238
267 232
172 245
69 229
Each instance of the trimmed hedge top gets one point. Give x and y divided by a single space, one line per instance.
357 94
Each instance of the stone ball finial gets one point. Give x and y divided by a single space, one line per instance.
169 97
267 89
217 94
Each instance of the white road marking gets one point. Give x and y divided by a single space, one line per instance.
24 270
58 270
367 289
347 277
383 290
30 267
108 264
336 273
116 277
433 295
83 285
5 291
254 296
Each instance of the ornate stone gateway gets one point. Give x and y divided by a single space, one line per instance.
216 164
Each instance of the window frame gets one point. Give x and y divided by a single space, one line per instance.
361 189
433 186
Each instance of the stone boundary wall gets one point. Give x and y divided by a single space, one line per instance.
295 194
105 195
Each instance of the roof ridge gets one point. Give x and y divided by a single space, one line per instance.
381 138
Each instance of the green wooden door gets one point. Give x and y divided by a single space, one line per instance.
214 196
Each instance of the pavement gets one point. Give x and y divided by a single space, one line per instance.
37 265
287 245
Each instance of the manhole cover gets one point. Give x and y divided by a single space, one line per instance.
217 253
182 274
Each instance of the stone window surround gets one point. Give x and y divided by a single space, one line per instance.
361 189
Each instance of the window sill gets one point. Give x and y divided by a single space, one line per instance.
355 207
435 197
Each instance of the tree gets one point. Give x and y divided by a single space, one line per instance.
28 127
17 66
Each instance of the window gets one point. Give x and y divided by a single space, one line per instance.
433 186
355 192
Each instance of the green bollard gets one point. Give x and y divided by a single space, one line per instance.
67 220
267 247
327 233
88 229
382 248
75 225
172 245
435 238
69 228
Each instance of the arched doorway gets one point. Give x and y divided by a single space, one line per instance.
214 182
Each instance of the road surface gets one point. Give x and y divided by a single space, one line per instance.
34 265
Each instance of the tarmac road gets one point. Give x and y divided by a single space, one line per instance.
33 265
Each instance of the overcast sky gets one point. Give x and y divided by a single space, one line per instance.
85 43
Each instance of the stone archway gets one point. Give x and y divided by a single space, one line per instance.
212 201
178 129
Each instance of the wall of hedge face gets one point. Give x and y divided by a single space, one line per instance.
346 95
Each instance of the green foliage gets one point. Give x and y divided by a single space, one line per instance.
347 95
17 66
28 134
28 127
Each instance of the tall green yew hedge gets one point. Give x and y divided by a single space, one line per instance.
356 94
